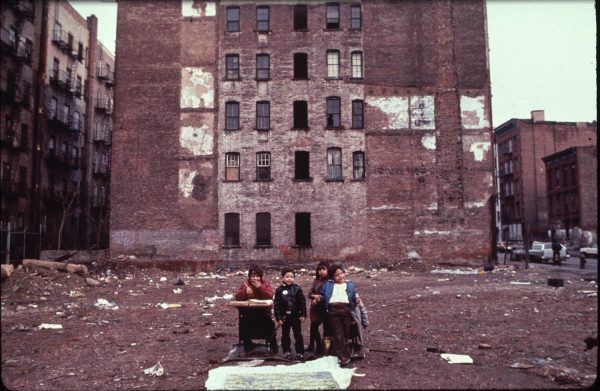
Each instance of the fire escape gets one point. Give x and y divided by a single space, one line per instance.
15 94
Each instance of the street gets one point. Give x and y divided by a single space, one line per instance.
571 264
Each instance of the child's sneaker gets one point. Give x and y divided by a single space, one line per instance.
288 356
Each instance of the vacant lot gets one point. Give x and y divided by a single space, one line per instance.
529 324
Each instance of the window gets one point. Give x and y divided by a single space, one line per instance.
262 18
333 112
303 229
262 115
355 17
358 165
56 31
66 110
78 85
232 166
333 16
300 114
263 229
263 166
233 19
55 68
26 93
80 51
357 67
232 229
301 165
333 64
232 66
358 114
232 115
70 42
334 164
300 66
22 179
76 120
262 67
24 135
300 17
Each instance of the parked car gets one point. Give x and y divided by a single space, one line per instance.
542 252
589 252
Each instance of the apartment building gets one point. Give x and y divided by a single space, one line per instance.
20 32
299 131
521 145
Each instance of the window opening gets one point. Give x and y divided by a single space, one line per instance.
262 115
300 17
333 112
303 229
334 163
301 165
262 66
232 115
300 66
233 19
263 166
357 114
232 66
333 64
358 164
333 16
232 166
300 114
232 229
262 19
263 229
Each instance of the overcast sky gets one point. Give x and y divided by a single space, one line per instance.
542 55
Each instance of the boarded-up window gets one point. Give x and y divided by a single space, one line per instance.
232 229
334 115
358 165
300 114
232 115
300 66
263 115
301 165
303 229
334 163
263 229
232 166
263 166
300 17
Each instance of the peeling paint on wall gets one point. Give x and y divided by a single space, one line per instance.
479 149
197 88
346 251
428 141
428 232
387 207
413 255
422 112
474 204
396 109
199 141
433 206
186 179
198 8
473 114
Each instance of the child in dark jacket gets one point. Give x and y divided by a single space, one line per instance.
290 311
317 316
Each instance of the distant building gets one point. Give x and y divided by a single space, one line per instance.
572 189
521 145
56 123
296 131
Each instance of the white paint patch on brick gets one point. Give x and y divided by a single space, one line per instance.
387 207
474 204
197 88
479 149
186 178
198 8
428 232
351 250
428 141
413 255
422 112
396 109
199 141
433 206
473 114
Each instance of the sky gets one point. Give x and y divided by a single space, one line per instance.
542 55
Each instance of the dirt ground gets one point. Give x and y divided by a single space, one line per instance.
530 325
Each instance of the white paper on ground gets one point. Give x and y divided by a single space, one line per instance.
457 358
217 377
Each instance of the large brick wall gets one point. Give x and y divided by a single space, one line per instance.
426 137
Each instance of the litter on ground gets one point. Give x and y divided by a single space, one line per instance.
457 358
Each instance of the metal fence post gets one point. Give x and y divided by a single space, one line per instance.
8 244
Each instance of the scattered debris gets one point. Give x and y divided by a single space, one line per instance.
50 326
485 346
64 257
164 306
179 281
76 294
20 327
251 363
177 291
457 358
556 282
519 365
436 350
103 303
163 279
456 271
156 370
520 283
591 342
227 296
92 282
7 270
66 267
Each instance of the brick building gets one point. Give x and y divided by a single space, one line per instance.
572 189
521 145
301 131
50 140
